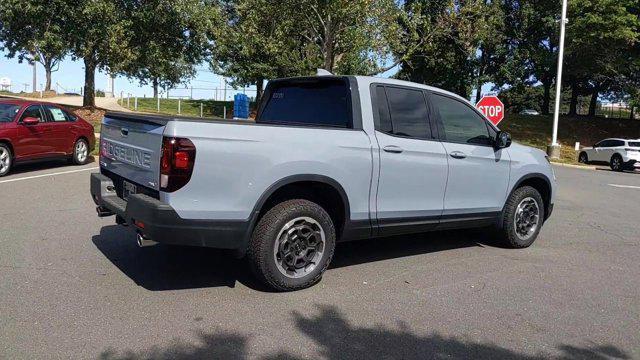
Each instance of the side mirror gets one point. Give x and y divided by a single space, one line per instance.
503 140
30 121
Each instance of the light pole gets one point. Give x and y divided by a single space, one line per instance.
34 80
553 150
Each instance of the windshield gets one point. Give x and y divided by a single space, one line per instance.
8 112
634 143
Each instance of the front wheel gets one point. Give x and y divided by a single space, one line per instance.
5 160
522 218
292 245
80 152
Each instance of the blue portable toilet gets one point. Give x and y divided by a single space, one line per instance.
241 106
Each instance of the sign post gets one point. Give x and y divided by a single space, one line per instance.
492 108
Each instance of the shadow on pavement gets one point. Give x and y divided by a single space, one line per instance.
165 267
336 338
21 168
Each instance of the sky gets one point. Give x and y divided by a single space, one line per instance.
70 78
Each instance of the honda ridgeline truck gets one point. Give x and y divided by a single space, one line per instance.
327 159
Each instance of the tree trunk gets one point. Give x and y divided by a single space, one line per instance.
259 90
573 107
89 98
546 99
478 93
594 102
47 70
632 114
155 88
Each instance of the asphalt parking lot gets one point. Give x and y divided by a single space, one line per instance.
76 286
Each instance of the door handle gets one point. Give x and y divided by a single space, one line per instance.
458 155
392 149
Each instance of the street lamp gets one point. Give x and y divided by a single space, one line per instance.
553 150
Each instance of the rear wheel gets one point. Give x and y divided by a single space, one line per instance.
80 152
616 163
522 218
292 245
583 158
6 159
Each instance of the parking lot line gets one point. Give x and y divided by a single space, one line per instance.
51 174
625 186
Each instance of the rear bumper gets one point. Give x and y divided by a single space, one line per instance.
160 222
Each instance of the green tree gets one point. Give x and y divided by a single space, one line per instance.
99 33
600 36
33 30
532 37
355 36
463 47
257 43
168 39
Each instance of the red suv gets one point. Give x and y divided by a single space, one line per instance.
31 130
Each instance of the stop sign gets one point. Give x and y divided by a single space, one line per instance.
492 108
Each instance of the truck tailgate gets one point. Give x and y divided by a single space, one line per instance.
131 148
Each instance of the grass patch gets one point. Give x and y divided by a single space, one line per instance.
536 131
210 108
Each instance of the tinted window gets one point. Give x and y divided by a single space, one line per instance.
8 112
56 114
461 124
607 143
32 111
634 143
384 120
323 102
615 143
409 113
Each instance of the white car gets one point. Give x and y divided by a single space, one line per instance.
621 154
529 112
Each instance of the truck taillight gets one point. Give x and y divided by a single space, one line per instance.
176 163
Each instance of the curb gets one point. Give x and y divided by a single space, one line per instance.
583 167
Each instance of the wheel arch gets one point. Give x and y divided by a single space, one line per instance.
306 186
10 145
541 183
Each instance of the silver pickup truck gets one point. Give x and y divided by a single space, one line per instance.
327 159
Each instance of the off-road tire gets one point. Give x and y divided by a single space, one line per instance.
260 253
506 230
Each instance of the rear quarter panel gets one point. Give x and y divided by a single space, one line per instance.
235 164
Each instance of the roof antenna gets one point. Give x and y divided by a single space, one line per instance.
323 72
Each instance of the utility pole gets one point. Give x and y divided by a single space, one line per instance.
34 84
553 150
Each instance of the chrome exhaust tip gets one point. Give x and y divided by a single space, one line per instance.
144 241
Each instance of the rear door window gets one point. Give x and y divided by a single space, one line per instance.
634 143
315 102
409 112
56 114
